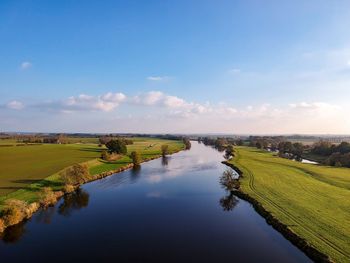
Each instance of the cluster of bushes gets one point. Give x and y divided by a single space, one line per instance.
326 148
105 139
136 158
229 152
15 211
75 175
291 150
187 143
338 159
337 154
228 181
47 197
220 142
107 156
117 146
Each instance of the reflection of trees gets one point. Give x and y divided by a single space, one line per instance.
135 172
14 233
45 215
228 202
229 182
73 201
165 160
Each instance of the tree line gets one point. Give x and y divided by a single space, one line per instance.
334 154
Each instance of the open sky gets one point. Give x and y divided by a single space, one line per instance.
180 66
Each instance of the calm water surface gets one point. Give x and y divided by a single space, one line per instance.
169 210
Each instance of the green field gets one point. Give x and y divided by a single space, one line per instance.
24 170
148 148
314 201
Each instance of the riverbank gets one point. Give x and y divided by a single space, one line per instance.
285 193
30 199
299 242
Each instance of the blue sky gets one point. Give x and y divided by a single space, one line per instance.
175 66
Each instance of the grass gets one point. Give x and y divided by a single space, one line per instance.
147 147
23 165
25 170
314 201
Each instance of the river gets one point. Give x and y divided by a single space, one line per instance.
169 210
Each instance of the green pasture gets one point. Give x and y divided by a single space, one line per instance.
147 147
24 170
313 200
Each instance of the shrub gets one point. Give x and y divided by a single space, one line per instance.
105 155
228 181
136 158
338 164
76 174
68 188
47 197
2 225
187 143
14 212
229 152
165 149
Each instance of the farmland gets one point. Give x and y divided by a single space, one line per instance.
27 168
312 200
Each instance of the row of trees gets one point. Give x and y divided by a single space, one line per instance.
326 148
59 138
106 139
336 154
219 143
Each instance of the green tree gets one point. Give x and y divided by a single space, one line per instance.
165 149
75 175
187 143
228 180
116 146
136 158
229 152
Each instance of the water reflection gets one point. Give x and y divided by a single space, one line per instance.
135 173
45 215
229 202
165 160
73 201
14 233
229 182
140 217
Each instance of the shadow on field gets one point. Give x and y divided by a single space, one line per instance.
26 181
36 184
10 188
86 149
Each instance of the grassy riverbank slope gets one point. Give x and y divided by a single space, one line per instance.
25 170
313 201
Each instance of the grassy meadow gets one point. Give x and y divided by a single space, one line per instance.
314 201
24 170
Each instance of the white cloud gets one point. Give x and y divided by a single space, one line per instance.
157 78
26 65
161 112
158 98
106 102
15 105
